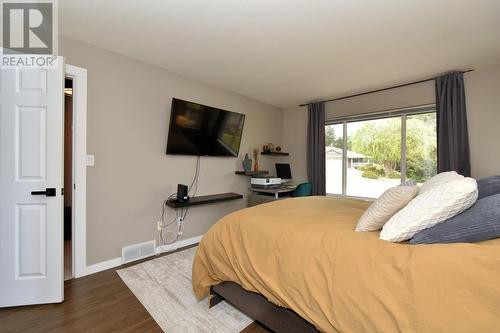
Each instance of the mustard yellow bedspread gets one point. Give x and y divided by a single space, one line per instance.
304 254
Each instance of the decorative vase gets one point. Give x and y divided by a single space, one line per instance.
247 163
256 166
256 157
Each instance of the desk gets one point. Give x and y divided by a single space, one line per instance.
276 191
261 195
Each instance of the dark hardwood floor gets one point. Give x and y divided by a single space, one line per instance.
96 303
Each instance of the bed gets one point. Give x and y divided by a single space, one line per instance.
303 254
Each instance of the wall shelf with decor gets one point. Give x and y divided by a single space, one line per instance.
251 173
275 153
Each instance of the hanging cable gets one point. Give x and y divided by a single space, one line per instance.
194 182
180 214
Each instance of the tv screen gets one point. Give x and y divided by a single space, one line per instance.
202 130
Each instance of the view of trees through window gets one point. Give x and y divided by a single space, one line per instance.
374 153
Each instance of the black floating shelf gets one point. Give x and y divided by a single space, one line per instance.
204 199
251 173
276 153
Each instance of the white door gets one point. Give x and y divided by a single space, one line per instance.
31 163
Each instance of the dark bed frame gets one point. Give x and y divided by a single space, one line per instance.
257 307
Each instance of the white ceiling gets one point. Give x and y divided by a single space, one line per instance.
292 51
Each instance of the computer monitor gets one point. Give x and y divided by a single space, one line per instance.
283 172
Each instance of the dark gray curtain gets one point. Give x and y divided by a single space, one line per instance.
316 148
453 137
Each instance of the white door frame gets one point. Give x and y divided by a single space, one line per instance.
79 204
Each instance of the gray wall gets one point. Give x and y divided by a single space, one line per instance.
128 117
483 108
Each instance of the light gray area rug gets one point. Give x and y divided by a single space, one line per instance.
163 286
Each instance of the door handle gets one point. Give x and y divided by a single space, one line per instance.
49 192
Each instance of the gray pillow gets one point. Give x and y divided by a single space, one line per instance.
478 223
488 186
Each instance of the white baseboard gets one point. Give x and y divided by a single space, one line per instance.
179 244
112 263
102 266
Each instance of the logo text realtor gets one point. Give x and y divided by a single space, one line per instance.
28 33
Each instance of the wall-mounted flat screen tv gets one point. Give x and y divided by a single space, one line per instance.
201 130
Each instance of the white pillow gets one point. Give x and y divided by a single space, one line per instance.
388 204
430 208
439 179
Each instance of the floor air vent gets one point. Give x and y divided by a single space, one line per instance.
138 251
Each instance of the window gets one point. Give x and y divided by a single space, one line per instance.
367 155
334 141
421 146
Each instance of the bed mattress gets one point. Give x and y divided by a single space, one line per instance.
304 254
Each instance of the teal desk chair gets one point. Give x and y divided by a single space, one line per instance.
303 190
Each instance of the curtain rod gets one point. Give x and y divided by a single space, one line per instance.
379 90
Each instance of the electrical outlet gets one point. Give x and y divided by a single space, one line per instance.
158 225
90 160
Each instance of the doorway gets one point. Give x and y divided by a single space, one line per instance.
76 165
68 178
